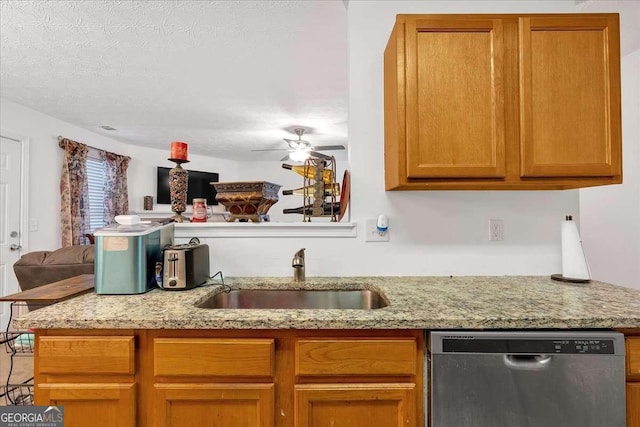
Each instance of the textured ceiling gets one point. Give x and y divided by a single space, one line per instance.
225 76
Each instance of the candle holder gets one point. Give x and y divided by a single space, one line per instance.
178 189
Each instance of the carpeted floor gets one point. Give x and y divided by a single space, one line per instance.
21 372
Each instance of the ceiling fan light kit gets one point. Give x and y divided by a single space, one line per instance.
299 155
299 146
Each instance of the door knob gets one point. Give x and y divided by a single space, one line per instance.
15 247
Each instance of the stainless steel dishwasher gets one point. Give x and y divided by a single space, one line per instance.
527 379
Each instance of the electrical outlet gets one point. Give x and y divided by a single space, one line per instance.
371 233
496 230
33 224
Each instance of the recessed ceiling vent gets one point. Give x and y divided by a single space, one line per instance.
107 127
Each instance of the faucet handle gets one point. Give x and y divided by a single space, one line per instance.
298 259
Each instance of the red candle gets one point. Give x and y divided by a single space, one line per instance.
179 150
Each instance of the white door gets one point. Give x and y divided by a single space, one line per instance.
10 215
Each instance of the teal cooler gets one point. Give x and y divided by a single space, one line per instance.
126 256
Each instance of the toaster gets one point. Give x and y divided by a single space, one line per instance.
184 266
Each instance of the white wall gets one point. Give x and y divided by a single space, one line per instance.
45 165
611 215
432 233
439 232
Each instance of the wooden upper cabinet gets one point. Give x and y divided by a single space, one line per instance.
511 102
569 96
455 105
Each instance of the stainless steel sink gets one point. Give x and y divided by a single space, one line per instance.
359 299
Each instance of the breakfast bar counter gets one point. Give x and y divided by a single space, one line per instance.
157 359
473 302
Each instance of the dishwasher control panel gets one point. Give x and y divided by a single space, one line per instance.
526 346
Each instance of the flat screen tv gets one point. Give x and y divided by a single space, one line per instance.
197 186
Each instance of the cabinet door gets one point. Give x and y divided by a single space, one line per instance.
633 358
355 405
455 98
633 404
214 405
91 405
570 96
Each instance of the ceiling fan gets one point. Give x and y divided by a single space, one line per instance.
300 149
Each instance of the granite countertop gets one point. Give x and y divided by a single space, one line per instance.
505 302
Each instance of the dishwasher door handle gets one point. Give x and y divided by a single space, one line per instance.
528 362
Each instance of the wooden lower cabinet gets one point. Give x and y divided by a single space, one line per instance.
633 404
90 374
94 405
232 378
355 405
213 405
633 379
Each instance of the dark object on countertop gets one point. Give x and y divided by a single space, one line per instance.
55 292
560 278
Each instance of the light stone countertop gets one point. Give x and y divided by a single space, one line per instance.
478 302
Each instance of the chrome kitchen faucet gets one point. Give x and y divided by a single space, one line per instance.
298 266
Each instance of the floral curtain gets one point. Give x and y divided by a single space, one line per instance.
74 206
116 196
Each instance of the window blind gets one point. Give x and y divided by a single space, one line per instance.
96 179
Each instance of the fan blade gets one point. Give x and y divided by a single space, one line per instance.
285 158
272 149
319 155
329 147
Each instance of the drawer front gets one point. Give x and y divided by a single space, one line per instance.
370 357
633 358
86 355
198 357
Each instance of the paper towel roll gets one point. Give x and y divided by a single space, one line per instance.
574 262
